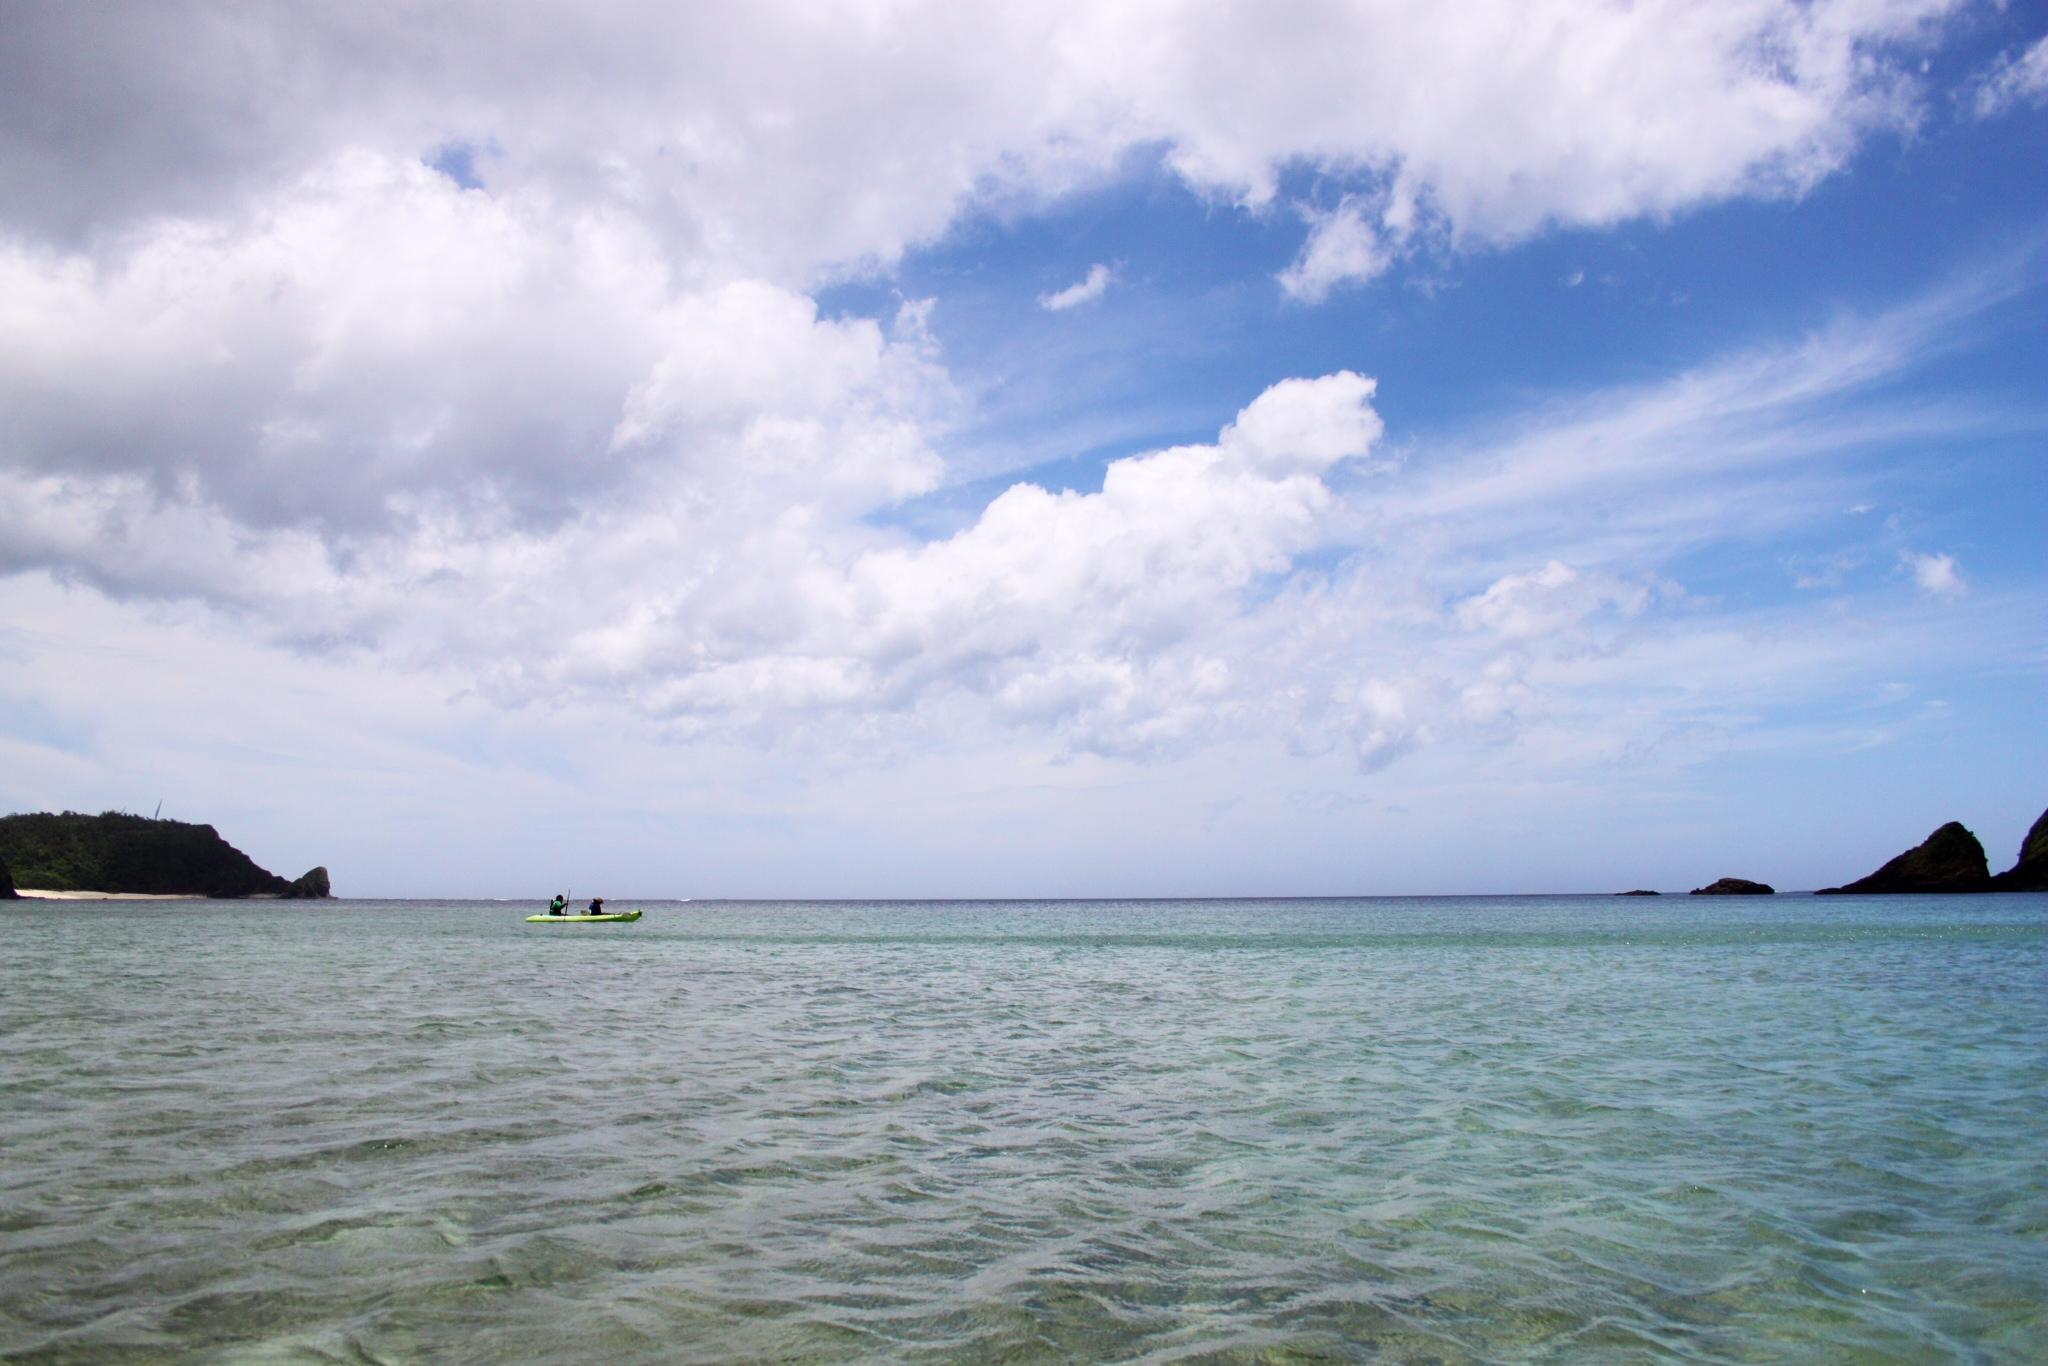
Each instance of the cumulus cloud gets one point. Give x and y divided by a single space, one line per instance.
1054 604
743 611
1547 601
465 355
1590 114
1086 290
2012 81
1344 246
729 582
372 341
1936 574
297 320
1385 721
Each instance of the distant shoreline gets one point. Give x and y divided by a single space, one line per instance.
43 894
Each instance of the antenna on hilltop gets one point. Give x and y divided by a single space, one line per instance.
159 808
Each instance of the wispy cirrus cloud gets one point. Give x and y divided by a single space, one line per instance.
1686 458
2013 81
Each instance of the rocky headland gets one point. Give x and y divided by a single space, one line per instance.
1949 860
1952 860
121 854
2030 874
7 892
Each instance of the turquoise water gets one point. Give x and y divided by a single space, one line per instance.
1544 1129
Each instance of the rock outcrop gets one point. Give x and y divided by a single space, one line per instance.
1735 886
2030 874
117 852
1949 860
310 885
7 892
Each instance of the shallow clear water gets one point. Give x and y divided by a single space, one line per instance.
1547 1128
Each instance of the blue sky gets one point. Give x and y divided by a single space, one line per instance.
1094 450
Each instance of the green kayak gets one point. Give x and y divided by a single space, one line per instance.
627 916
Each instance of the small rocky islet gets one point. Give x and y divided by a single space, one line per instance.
122 854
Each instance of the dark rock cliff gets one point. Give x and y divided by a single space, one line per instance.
1949 860
117 852
1735 886
2030 874
7 892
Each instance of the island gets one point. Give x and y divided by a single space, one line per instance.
1735 886
121 854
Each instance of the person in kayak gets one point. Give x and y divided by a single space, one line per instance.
558 905
597 905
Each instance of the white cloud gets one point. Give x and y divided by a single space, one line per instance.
1828 572
724 612
1344 247
1591 115
372 343
728 583
1068 598
2011 82
1385 724
1086 290
292 321
734 137
1633 472
582 435
1547 601
1937 575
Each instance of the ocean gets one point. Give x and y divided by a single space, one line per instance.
1429 1129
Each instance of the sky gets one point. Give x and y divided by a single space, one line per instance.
903 449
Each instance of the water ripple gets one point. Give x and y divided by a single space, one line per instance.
1513 1129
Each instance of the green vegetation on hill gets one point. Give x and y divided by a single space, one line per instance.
117 852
